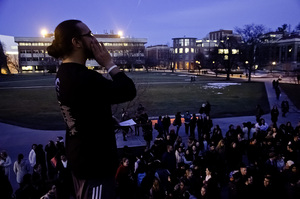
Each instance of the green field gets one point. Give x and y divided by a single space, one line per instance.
30 100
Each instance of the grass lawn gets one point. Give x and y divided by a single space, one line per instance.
293 91
160 93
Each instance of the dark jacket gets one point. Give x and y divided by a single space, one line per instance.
85 99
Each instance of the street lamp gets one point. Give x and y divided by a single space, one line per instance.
273 65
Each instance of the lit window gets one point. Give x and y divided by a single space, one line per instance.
176 50
186 42
180 42
221 51
186 50
192 50
180 50
27 68
235 51
226 51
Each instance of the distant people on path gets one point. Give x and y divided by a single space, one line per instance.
275 84
274 114
259 112
85 98
285 107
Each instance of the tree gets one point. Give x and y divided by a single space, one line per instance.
297 28
13 64
225 54
250 34
3 60
199 61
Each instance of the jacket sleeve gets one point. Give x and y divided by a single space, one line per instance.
117 90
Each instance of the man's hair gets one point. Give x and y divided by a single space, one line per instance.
62 43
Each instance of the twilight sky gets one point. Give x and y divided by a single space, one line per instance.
157 20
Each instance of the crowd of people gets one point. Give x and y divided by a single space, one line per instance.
250 160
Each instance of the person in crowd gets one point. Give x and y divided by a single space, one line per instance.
261 128
259 112
156 191
32 155
21 167
159 127
193 124
187 120
207 108
200 126
210 180
147 133
177 122
5 162
6 187
85 98
51 152
166 123
216 134
27 189
267 189
51 194
41 160
64 181
274 114
124 179
169 159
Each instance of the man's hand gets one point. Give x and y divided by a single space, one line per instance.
101 54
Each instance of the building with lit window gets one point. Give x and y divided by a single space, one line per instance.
220 34
206 46
184 51
285 54
126 52
158 56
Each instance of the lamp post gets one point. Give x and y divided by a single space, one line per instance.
273 65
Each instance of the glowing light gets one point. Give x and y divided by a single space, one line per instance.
120 33
44 32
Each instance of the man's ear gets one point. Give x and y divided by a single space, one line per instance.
76 42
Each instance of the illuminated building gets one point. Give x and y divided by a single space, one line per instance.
184 51
126 52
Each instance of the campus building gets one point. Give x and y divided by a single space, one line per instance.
126 52
184 51
288 54
159 56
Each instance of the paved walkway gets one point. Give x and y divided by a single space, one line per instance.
15 139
